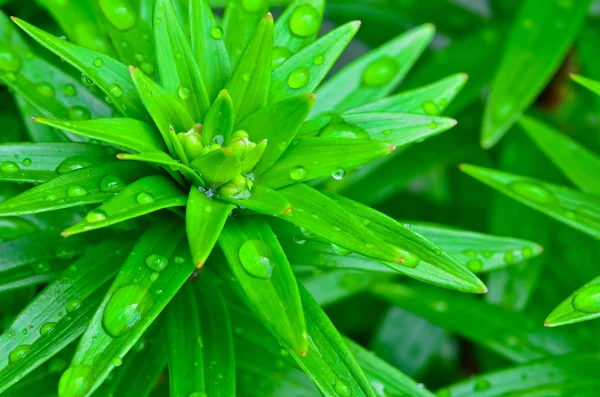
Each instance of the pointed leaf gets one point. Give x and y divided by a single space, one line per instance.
142 197
75 188
179 72
581 305
278 124
590 84
375 74
249 83
579 164
204 220
171 165
264 201
540 38
312 158
303 72
111 77
266 279
217 167
239 21
130 133
299 24
219 119
566 205
207 38
133 301
37 162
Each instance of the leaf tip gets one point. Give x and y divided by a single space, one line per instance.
13 18
33 118
121 156
269 16
392 147
132 69
199 264
357 23
287 211
65 233
303 353
312 98
547 324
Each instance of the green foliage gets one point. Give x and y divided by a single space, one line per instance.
200 199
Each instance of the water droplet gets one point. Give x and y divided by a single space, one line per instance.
342 389
475 265
26 162
216 33
305 21
115 90
183 92
339 174
73 305
341 251
380 72
10 61
482 384
98 62
509 257
532 191
76 191
45 90
298 78
119 13
198 394
147 68
470 253
95 216
179 260
587 299
280 55
76 381
18 353
156 262
487 254
246 77
69 90
9 167
86 80
299 241
72 164
319 59
344 130
431 108
47 328
79 113
256 258
117 362
111 183
253 5
144 198
298 173
433 125
125 309
527 252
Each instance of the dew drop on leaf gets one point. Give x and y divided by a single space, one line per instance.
76 191
119 13
69 90
125 309
298 78
482 384
72 305
26 162
72 164
76 381
526 252
339 174
95 216
47 328
10 60
111 183
98 62
45 90
475 265
144 198
380 72
433 125
79 113
509 257
18 353
341 251
431 108
305 21
115 90
156 262
342 389
256 259
587 299
319 59
216 33
183 92
9 167
298 173
344 130
41 267
532 191
86 80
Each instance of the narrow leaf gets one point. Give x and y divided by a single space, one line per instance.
219 119
588 83
239 21
299 25
264 201
168 163
581 305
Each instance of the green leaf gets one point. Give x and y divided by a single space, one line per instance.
264 201
579 164
135 298
324 217
299 25
249 83
218 167
204 220
303 72
219 119
142 197
265 278
386 380
569 375
239 20
515 336
375 74
89 185
431 99
581 305
447 272
165 109
168 163
60 313
179 74
129 133
201 345
590 84
540 38
479 252
277 123
569 206
207 38
112 77
38 162
312 158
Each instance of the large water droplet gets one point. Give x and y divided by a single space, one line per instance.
26 162
144 198
587 299
298 173
76 191
344 130
69 90
111 183
9 167
342 389
10 60
319 59
280 55
78 113
380 72
431 108
76 381
532 191
45 90
183 92
115 90
47 328
156 262
340 250
86 80
475 265
72 305
298 78
95 216
256 258
305 21
339 174
527 252
119 13
216 33
509 257
125 309
72 164
18 353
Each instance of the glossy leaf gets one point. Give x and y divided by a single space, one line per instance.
590 84
569 206
218 167
143 196
219 119
581 305
180 75
74 188
171 165
266 279
540 37
249 83
205 218
375 74
299 24
239 20
312 158
264 201
303 72
129 133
